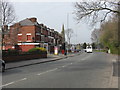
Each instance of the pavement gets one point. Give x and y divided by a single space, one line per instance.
115 75
50 58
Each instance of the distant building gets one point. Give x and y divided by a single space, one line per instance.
28 34
75 47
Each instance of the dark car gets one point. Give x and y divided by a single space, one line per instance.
2 65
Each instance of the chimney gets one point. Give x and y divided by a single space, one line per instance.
33 19
5 27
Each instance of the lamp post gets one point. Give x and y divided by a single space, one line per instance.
67 20
67 28
64 44
68 32
0 38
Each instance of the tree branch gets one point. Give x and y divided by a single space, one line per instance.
105 16
93 10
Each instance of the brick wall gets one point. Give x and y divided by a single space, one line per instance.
25 48
27 29
8 59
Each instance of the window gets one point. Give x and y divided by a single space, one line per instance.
28 37
19 38
48 33
42 31
46 39
42 37
38 37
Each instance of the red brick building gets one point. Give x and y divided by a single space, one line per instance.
28 34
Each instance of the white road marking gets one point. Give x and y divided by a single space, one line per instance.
7 84
40 73
52 70
87 57
22 79
63 66
82 59
67 65
47 71
13 82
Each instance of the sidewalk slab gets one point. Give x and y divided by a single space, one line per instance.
114 83
115 76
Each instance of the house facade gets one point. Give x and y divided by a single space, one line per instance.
28 34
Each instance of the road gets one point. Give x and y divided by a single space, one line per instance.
87 70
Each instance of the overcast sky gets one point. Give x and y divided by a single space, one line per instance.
54 15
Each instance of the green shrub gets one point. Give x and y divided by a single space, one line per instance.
115 50
10 52
38 50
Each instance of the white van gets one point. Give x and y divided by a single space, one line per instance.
89 49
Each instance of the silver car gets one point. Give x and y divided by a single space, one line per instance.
2 65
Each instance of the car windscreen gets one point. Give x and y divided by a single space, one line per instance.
89 47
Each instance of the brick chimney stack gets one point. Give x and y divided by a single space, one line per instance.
33 19
5 27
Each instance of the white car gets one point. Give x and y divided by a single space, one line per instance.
89 49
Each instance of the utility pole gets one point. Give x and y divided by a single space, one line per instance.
67 20
0 38
67 28
63 40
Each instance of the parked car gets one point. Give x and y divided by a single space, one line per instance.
2 65
89 49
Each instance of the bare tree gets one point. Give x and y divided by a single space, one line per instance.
96 11
7 12
95 35
7 16
69 33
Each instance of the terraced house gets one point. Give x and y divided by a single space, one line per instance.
28 34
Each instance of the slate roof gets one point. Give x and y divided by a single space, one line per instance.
27 22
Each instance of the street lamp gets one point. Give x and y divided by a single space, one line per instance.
68 46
